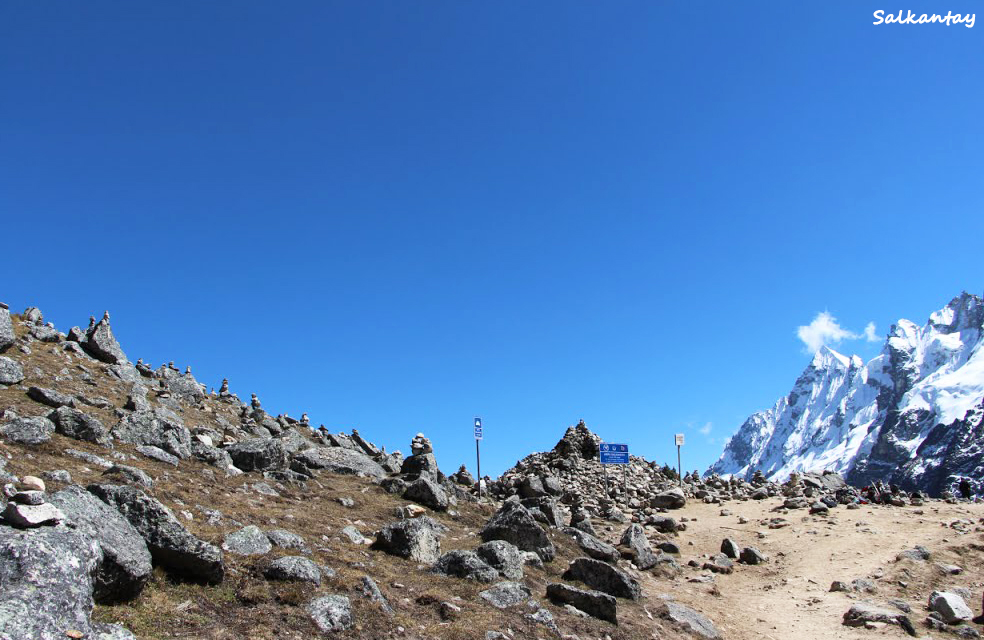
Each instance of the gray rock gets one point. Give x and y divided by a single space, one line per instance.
354 535
548 507
293 569
129 475
861 613
248 541
950 606
47 585
155 453
918 553
594 603
58 475
663 524
28 430
80 426
212 455
7 335
10 371
669 499
719 563
592 546
28 516
85 456
418 539
331 614
751 555
689 620
337 460
532 487
506 594
286 540
29 497
258 454
420 465
603 577
159 428
371 591
125 566
730 548
428 493
503 557
514 524
50 397
46 333
170 544
465 564
636 543
102 345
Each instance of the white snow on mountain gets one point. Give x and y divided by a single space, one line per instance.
834 416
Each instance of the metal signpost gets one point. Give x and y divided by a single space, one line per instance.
679 443
478 455
614 454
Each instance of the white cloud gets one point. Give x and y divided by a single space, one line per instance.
822 331
869 333
706 429
825 330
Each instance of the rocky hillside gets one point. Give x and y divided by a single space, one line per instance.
912 416
138 504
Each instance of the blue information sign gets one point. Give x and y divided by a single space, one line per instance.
478 428
614 453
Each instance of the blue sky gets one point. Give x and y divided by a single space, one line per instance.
398 215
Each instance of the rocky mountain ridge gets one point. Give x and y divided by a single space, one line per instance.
912 416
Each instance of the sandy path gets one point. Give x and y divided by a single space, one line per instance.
788 597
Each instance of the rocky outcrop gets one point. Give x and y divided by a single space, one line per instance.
27 430
337 460
603 577
101 344
80 426
159 428
418 539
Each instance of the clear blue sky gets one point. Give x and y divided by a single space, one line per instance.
398 215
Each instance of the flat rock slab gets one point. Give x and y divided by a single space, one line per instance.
686 618
506 594
863 612
28 430
594 603
338 460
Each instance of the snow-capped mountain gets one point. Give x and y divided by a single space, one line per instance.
912 415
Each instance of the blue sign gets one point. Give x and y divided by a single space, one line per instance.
478 428
614 453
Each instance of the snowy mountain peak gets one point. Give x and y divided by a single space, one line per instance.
881 419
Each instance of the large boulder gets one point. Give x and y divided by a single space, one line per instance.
293 569
28 430
46 585
50 397
159 428
171 545
337 460
417 539
102 345
603 577
597 549
428 493
637 547
7 336
258 454
950 606
465 564
669 499
506 594
331 614
516 525
594 603
126 563
80 426
503 557
420 465
10 371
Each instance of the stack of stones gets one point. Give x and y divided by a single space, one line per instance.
27 507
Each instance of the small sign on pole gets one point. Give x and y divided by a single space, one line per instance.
478 454
679 443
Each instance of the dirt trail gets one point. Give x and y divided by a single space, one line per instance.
789 597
